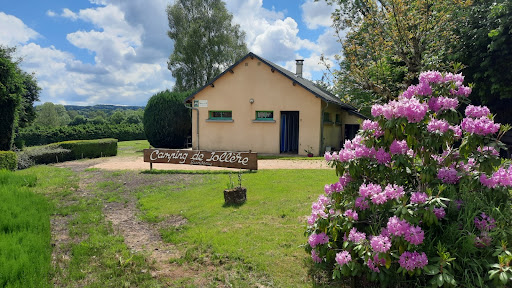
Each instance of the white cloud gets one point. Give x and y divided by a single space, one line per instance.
66 13
14 31
317 14
51 13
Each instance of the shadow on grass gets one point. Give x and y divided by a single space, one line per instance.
233 205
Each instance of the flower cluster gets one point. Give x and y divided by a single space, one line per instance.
318 210
369 125
502 177
374 262
448 175
398 147
411 234
477 111
351 214
380 243
439 212
488 150
438 126
412 260
410 108
343 258
317 239
419 197
485 224
356 236
438 104
480 126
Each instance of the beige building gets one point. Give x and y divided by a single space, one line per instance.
259 106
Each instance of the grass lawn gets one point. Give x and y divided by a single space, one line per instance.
267 231
25 249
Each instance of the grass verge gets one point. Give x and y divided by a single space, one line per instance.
266 232
25 250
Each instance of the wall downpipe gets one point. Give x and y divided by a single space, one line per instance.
322 128
197 122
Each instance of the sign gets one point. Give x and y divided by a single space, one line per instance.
242 160
200 103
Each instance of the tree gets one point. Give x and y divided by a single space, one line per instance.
389 42
486 50
51 115
167 121
27 113
117 117
11 91
78 120
205 42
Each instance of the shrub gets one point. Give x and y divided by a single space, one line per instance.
42 155
414 204
88 148
33 136
8 160
167 121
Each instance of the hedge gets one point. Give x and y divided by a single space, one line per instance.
8 160
88 148
33 136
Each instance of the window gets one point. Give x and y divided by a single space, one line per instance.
265 115
219 115
338 119
327 117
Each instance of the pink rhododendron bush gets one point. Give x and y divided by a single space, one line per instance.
423 197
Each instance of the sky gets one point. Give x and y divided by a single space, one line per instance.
88 52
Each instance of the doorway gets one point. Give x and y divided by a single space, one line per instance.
351 131
289 142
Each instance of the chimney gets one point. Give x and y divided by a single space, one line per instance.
298 71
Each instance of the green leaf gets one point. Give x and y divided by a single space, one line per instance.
503 278
439 280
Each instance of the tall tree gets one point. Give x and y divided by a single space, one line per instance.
51 115
11 91
205 41
388 42
486 50
27 113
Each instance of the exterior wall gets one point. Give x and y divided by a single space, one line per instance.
271 91
333 136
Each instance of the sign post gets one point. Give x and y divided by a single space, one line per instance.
228 159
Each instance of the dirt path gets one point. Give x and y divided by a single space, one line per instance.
137 163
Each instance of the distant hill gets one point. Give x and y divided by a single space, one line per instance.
102 107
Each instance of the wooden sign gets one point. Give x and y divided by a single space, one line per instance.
242 160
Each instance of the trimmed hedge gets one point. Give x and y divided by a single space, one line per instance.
88 148
8 160
42 155
34 136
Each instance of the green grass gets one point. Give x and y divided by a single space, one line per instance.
267 231
25 250
131 148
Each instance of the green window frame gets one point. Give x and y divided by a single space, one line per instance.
220 115
265 115
338 118
327 117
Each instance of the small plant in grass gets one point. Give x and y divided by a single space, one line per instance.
235 195
423 197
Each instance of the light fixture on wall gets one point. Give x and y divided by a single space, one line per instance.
251 100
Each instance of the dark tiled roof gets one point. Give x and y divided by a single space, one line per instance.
306 84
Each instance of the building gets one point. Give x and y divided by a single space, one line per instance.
256 105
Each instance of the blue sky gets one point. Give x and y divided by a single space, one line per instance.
87 52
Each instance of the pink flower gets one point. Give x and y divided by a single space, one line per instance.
317 239
438 104
394 191
419 197
439 212
375 262
488 150
477 111
398 147
369 125
343 258
412 260
362 203
382 156
328 156
315 257
380 244
438 126
414 235
397 227
327 189
351 214
456 78
448 175
480 126
431 77
356 236
368 190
